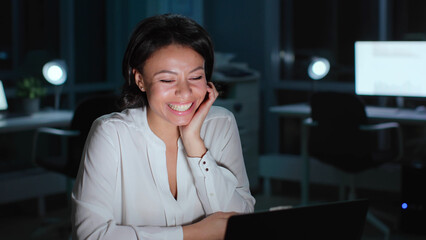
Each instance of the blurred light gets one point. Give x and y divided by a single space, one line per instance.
3 55
318 68
404 206
3 100
287 56
55 72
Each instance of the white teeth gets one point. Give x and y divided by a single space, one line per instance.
180 108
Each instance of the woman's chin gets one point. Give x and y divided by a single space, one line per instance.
183 118
181 122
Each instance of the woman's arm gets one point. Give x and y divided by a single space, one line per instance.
190 134
212 227
94 214
220 175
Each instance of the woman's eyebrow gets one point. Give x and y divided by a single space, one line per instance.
165 71
196 69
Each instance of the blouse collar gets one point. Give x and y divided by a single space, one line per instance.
140 117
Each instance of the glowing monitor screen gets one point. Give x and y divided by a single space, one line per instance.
3 101
390 68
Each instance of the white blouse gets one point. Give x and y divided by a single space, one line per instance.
122 189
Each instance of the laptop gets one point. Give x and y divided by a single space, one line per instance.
336 220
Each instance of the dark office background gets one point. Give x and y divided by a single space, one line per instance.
92 35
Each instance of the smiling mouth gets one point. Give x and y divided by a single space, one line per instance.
180 108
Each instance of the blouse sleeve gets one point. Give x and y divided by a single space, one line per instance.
220 175
93 194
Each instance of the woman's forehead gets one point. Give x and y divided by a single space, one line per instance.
174 57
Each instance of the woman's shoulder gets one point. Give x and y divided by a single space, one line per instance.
128 117
218 112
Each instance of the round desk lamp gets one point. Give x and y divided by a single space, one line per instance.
318 68
55 72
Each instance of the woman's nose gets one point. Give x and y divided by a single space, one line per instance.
183 89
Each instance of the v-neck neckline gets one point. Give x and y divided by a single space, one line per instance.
164 179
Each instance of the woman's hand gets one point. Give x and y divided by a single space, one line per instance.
190 134
211 227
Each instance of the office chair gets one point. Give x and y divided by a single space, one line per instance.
66 160
84 115
338 134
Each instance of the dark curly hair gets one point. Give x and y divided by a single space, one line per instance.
154 33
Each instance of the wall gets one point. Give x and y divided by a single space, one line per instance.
237 27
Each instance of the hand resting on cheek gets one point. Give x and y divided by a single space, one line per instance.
190 133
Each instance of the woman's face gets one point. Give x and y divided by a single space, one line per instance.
175 84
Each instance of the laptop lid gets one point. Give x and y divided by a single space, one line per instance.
336 220
3 101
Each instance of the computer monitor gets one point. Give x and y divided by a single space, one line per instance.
3 101
390 68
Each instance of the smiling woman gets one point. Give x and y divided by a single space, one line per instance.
170 165
174 81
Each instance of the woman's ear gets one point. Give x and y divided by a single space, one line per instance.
139 79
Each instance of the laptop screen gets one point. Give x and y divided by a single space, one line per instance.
3 101
337 220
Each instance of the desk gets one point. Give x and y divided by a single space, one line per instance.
34 182
303 110
408 116
51 118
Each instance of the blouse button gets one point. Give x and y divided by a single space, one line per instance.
204 162
207 169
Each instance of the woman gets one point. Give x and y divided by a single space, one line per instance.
170 165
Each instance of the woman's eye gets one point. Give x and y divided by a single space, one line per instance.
166 81
197 78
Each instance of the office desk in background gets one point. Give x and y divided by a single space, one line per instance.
401 115
374 113
33 182
49 118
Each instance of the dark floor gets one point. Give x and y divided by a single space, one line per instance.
20 220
